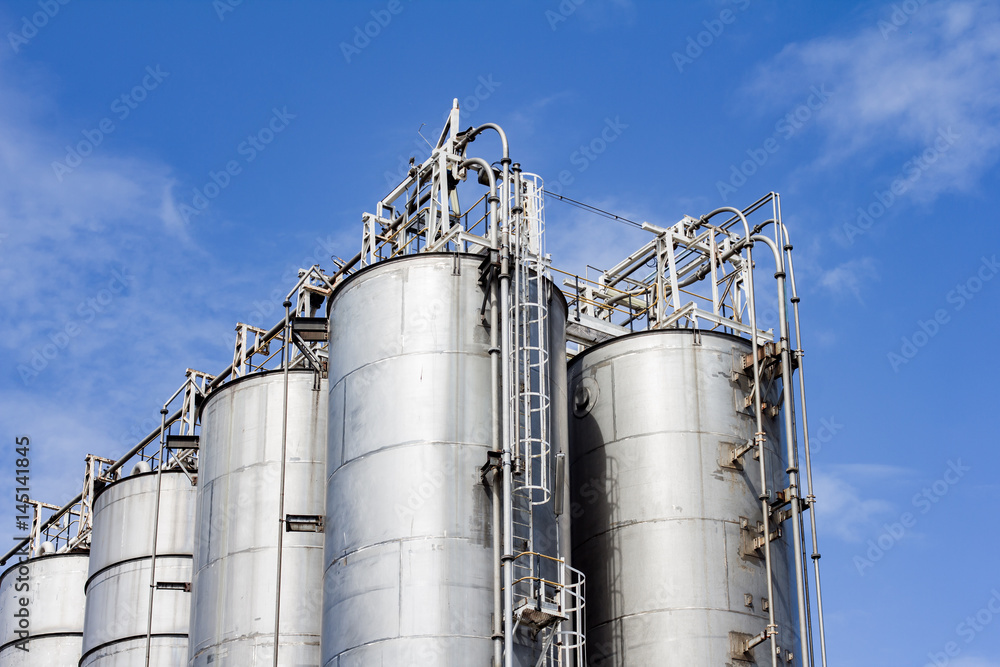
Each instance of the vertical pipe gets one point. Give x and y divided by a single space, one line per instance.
508 510
805 433
508 435
759 437
498 406
792 470
498 635
772 629
281 483
156 527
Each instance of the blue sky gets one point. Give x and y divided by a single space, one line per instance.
252 136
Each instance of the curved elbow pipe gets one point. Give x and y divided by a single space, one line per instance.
779 259
469 138
734 211
485 166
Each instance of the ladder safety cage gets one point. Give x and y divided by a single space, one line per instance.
504 224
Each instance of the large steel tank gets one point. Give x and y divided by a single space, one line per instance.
409 560
236 546
121 557
662 526
52 588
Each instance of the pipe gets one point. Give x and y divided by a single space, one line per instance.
350 264
504 163
470 137
498 636
498 406
508 437
496 435
792 470
493 199
156 529
759 436
805 431
281 482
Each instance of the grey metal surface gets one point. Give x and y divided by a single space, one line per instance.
121 556
55 599
232 618
656 517
409 569
167 651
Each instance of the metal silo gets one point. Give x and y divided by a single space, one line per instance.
52 618
119 615
243 428
409 546
663 521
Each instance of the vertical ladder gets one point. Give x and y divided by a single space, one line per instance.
531 400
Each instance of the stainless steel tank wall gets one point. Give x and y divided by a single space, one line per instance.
409 571
409 561
55 601
551 533
118 587
656 516
232 621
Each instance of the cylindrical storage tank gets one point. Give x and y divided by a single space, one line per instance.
409 535
121 559
662 524
43 597
236 546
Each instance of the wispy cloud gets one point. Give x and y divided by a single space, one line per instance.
526 118
846 511
104 302
850 277
895 92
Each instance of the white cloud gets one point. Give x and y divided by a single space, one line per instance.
844 510
894 92
851 276
104 352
